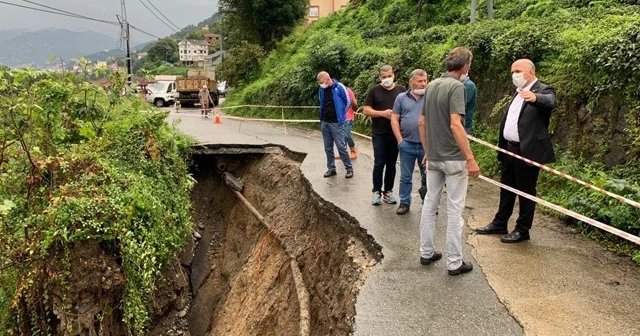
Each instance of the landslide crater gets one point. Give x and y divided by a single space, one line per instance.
273 258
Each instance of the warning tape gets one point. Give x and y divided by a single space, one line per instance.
273 120
593 222
247 119
269 106
580 217
559 173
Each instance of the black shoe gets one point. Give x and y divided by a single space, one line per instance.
435 257
515 237
464 268
491 229
423 192
402 209
349 174
330 173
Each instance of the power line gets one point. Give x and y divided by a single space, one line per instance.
144 32
73 15
156 15
58 12
156 8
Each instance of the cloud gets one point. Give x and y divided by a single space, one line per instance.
182 13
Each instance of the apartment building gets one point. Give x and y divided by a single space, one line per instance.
193 52
321 8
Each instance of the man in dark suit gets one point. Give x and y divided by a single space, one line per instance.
525 131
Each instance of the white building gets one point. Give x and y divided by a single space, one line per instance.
193 52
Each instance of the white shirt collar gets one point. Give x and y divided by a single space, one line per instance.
528 87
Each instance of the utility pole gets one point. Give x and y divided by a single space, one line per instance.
490 9
474 8
127 38
221 51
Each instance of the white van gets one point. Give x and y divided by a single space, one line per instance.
162 93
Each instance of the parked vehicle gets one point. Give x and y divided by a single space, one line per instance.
188 88
223 88
162 93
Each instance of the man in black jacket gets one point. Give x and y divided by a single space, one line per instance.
525 131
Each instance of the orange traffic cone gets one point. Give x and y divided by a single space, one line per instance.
217 119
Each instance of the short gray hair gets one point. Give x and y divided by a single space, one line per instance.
386 68
458 58
322 74
417 72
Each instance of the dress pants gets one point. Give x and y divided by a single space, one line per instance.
521 176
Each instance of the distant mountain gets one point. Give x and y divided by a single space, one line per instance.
9 34
33 48
105 55
117 53
216 18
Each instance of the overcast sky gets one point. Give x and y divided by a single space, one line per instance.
180 12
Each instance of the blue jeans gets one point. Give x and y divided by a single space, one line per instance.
385 156
334 133
347 134
410 153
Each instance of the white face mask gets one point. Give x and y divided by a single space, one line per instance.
324 85
419 92
387 82
464 77
518 79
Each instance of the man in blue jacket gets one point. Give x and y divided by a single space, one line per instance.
334 103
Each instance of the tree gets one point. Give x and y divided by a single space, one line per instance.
260 21
165 50
242 63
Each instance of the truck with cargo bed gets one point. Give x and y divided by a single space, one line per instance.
188 88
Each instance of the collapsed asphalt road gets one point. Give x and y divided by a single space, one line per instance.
558 283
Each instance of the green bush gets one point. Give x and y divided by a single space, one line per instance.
79 163
586 49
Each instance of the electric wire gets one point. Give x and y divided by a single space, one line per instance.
58 12
142 31
61 12
156 15
156 8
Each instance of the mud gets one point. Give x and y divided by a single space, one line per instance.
89 301
241 276
295 272
558 283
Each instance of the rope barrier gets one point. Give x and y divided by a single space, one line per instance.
592 222
559 173
269 106
595 223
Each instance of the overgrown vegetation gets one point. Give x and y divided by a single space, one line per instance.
81 164
261 22
587 49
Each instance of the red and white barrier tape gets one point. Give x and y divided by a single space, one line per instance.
559 173
269 106
272 120
212 115
592 222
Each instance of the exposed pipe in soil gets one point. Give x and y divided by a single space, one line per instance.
301 290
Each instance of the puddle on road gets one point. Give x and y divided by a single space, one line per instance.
242 278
